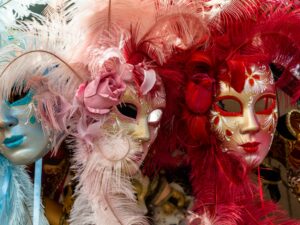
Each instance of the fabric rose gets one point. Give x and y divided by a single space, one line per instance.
100 94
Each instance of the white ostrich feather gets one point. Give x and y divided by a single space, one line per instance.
47 44
10 10
168 26
108 23
105 194
41 48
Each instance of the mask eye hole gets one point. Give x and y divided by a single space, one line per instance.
155 116
229 106
265 105
128 110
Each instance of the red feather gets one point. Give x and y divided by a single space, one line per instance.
220 180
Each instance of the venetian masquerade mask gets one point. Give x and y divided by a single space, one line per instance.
126 102
23 140
137 120
245 120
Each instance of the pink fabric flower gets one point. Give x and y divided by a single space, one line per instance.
100 94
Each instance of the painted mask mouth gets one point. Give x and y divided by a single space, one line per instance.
14 141
250 147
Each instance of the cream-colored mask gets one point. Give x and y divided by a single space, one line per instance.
137 119
245 122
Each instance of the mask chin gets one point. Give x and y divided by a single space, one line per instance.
26 156
253 160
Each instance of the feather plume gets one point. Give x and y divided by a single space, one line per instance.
19 196
178 32
104 195
216 10
11 10
282 43
265 38
62 48
107 23
45 61
220 13
226 185
225 194
173 33
41 48
122 25
167 28
223 190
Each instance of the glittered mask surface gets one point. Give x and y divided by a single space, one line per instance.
245 121
136 119
22 138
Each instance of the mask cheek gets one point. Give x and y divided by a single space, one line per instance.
265 135
265 139
267 123
228 134
224 127
23 112
217 125
231 135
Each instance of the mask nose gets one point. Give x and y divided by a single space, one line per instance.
6 119
250 124
142 132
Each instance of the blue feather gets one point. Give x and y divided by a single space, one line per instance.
16 196
5 190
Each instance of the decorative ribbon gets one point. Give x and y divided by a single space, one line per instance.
37 191
5 190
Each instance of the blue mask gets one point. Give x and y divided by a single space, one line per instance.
22 139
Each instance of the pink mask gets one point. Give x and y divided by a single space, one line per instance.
245 122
